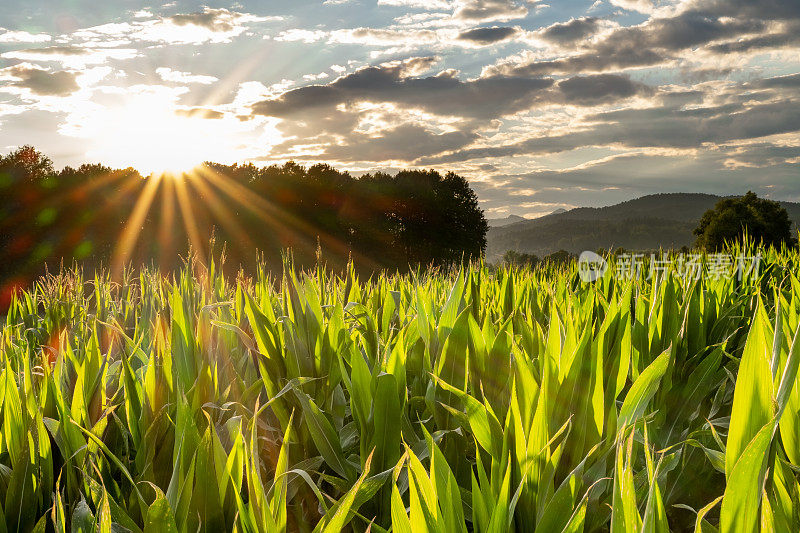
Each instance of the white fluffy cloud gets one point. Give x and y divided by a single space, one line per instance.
207 26
176 76
76 57
642 6
7 36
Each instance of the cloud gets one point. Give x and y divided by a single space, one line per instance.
49 51
566 33
39 81
71 56
787 34
400 39
207 26
622 58
200 112
23 37
392 111
401 143
679 123
590 90
318 76
618 177
754 9
642 6
176 76
491 35
383 37
761 155
417 4
788 81
216 20
489 10
398 82
444 94
301 35
657 41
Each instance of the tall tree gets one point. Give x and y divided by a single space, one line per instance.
762 220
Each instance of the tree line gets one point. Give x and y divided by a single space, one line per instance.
93 212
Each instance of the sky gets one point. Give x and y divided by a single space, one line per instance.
540 104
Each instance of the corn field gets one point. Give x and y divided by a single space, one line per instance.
469 400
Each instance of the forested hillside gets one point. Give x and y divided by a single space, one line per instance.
646 223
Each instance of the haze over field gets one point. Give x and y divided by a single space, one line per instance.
542 106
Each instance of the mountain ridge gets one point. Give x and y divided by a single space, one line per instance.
664 220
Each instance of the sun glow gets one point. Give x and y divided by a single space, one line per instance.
148 130
149 136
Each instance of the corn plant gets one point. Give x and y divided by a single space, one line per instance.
466 400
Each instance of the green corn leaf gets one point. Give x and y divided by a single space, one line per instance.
324 436
643 390
752 398
740 503
160 517
338 515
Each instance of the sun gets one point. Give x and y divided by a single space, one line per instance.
158 129
147 133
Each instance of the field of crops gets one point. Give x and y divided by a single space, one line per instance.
459 401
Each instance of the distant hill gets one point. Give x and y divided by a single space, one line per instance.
500 222
646 223
513 219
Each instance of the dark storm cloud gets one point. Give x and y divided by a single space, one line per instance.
43 82
565 33
488 35
445 94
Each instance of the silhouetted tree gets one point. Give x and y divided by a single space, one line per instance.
24 188
417 217
560 257
513 257
430 218
763 220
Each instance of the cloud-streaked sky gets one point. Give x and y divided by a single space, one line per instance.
540 104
